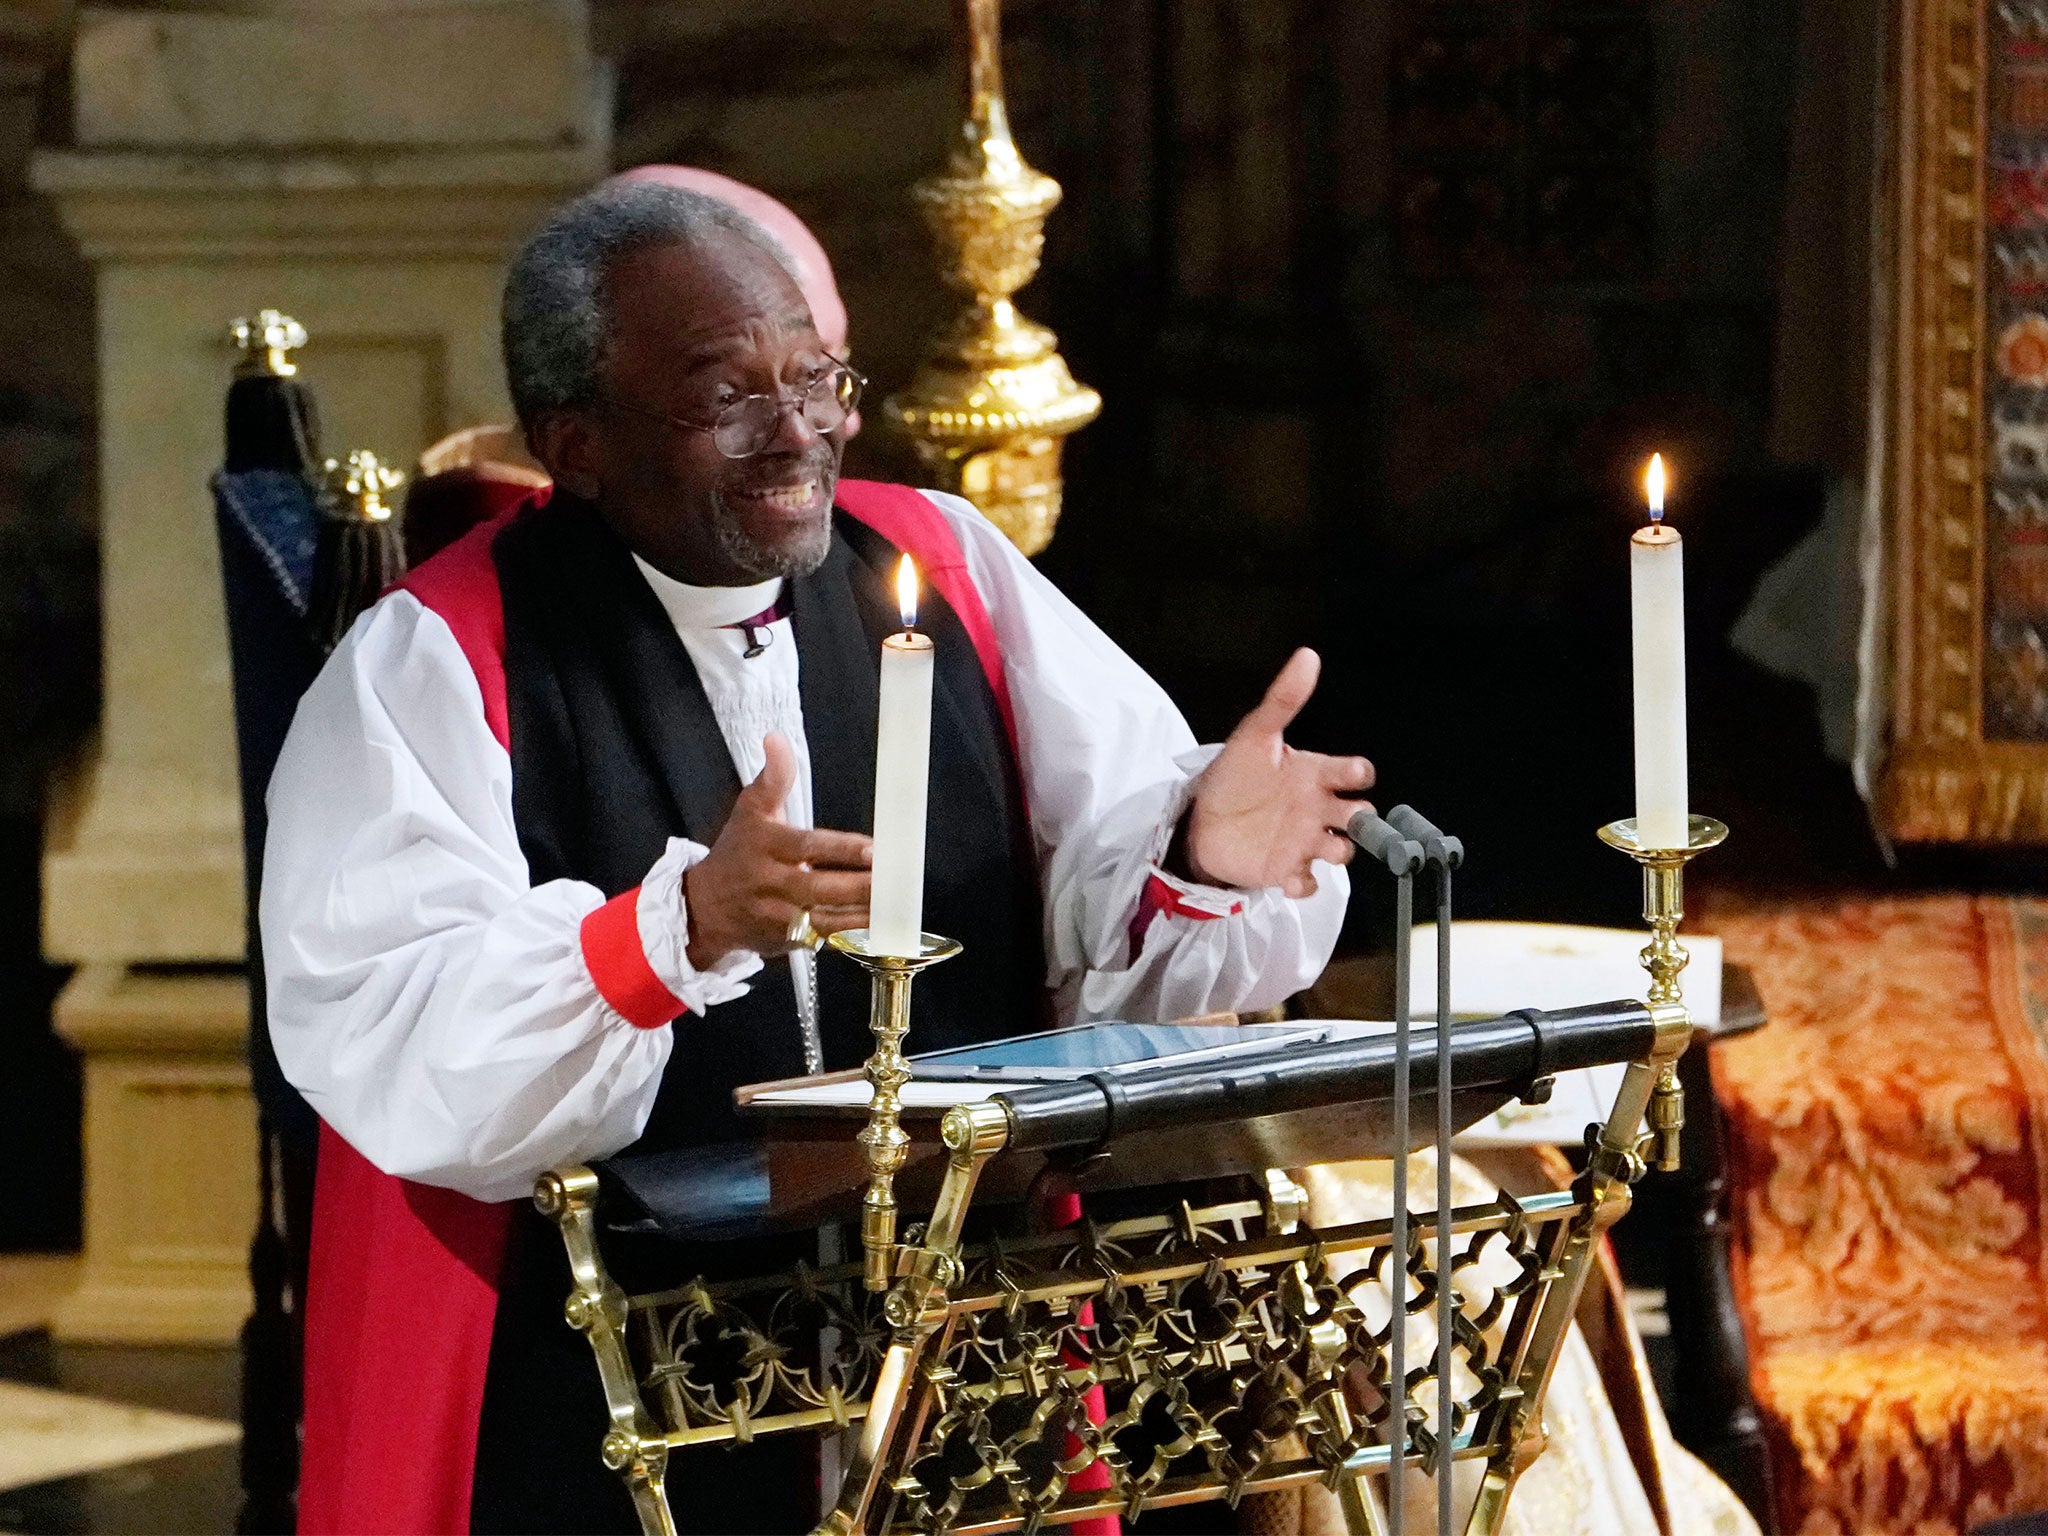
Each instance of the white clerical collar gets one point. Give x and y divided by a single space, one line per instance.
691 607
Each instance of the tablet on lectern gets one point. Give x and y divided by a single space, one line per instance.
1062 1054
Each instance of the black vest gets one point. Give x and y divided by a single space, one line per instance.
615 750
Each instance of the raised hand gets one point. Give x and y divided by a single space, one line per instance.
1264 812
746 892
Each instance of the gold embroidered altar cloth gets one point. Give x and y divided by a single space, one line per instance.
1889 1156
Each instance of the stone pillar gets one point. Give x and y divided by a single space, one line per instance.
367 168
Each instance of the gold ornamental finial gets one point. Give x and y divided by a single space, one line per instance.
988 410
356 487
267 343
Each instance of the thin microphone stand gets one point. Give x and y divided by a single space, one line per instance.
1444 854
1402 858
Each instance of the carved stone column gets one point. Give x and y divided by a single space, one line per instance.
367 167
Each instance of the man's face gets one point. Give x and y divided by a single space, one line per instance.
695 327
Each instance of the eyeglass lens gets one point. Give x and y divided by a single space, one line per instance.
747 426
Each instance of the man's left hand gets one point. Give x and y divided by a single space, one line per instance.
1263 812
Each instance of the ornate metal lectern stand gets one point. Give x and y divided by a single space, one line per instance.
1189 1352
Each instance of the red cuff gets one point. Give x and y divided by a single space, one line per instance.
617 963
1159 897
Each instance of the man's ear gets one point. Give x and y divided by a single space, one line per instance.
566 443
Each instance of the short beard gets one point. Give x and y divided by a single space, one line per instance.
799 557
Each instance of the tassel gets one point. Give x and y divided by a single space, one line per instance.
362 545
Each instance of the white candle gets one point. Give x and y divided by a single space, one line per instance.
903 760
1657 609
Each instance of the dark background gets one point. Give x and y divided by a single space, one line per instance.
1388 302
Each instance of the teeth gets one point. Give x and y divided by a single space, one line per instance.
792 498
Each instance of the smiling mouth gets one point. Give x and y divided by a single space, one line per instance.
786 499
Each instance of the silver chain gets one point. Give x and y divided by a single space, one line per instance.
803 975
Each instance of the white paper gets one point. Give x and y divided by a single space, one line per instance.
1499 967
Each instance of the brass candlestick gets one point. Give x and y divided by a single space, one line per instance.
883 1138
1665 957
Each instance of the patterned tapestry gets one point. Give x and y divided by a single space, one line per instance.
1888 1135
2016 386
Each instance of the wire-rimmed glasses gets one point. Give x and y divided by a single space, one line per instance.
747 425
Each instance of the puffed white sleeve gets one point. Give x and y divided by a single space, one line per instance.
1109 766
454 1023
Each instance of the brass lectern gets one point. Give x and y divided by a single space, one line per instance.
1195 1347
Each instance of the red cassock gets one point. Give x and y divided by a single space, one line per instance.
403 1293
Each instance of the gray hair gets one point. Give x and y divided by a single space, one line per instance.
556 324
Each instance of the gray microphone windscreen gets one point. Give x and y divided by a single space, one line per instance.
1411 823
1372 834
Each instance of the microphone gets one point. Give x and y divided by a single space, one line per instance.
1377 839
1401 858
1446 853
1436 847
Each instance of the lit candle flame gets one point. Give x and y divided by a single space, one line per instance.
906 592
1653 484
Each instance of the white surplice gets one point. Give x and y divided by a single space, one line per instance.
434 1006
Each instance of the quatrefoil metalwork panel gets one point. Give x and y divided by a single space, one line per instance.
1164 1359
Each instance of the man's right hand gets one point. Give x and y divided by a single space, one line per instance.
747 891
